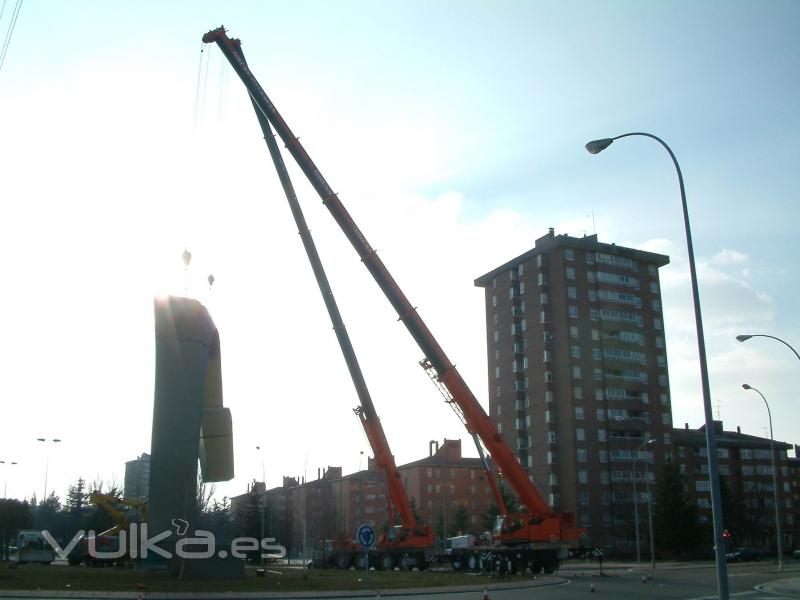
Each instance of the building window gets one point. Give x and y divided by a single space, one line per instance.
577 392
575 351
496 335
499 428
572 292
702 485
661 360
547 415
659 342
576 373
548 396
499 410
598 374
664 400
589 258
497 372
581 453
494 300
569 254
656 305
551 457
543 299
548 376
602 456
583 477
653 287
550 437
598 394
596 354
604 477
573 331
601 414
580 434
657 324
579 413
590 276
573 311
539 260
662 380
570 272
592 296
542 317
601 435
552 479
547 356
541 279
667 439
594 314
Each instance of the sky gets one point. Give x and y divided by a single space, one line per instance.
452 131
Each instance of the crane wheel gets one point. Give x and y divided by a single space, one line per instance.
386 562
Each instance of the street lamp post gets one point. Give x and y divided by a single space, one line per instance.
636 506
263 501
744 338
10 463
599 145
774 479
47 462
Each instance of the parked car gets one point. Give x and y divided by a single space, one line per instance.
744 555
796 554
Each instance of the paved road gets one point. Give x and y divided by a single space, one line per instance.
748 581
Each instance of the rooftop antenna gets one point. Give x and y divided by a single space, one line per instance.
719 418
187 258
594 225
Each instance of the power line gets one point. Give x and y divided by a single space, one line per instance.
12 24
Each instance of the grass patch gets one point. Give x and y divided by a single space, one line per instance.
277 579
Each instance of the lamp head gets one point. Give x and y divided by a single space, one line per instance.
650 441
747 387
596 146
743 338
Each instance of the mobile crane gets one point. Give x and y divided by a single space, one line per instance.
535 538
405 544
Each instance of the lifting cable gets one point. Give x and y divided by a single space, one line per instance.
197 90
11 25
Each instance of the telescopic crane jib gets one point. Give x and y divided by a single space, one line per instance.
403 544
538 531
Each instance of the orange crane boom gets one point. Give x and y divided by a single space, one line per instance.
538 524
415 535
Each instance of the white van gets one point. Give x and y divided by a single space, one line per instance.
33 548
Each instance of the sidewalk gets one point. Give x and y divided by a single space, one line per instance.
522 582
789 586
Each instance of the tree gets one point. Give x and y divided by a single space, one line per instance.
488 518
47 515
415 510
76 497
736 518
460 520
674 515
14 516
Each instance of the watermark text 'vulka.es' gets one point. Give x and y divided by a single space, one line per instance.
136 543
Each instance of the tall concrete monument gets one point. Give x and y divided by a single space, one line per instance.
190 424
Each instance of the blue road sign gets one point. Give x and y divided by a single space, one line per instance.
366 536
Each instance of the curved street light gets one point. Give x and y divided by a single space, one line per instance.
744 338
774 479
594 147
10 463
47 463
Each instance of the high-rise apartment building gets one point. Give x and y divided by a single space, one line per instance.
137 478
578 380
